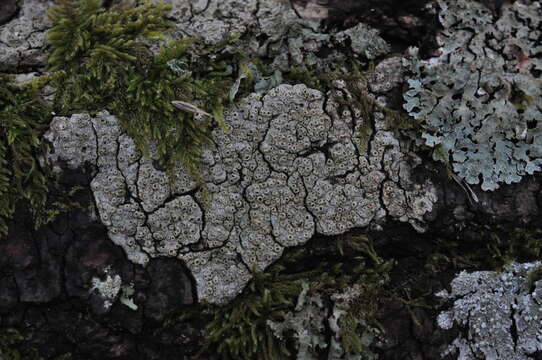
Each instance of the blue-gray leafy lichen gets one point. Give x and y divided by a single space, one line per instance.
500 312
480 100
287 166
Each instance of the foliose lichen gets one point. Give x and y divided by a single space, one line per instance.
500 312
279 46
365 41
480 101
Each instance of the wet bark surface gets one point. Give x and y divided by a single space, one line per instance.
44 292
44 277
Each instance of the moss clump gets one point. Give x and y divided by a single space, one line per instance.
240 329
8 338
360 102
104 59
304 75
23 118
361 310
497 248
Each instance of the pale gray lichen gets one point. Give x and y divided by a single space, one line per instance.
287 166
387 74
501 313
313 320
215 21
308 324
271 29
22 40
108 288
365 41
480 101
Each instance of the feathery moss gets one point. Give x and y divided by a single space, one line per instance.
240 330
106 59
23 118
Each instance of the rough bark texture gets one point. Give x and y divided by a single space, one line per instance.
103 281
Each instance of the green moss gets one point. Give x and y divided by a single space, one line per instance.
302 75
60 201
239 330
499 246
362 310
366 106
23 119
8 338
10 342
103 59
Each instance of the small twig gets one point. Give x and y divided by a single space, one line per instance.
181 105
470 193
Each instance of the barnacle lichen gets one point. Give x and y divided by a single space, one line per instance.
501 313
480 100
286 167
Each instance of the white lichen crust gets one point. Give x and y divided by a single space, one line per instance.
501 312
108 289
288 166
